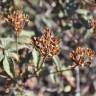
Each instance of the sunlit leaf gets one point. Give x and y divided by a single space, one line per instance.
36 56
53 76
14 56
27 33
6 67
6 42
24 40
82 11
20 46
57 62
67 88
1 57
67 73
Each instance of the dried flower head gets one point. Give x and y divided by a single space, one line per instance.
17 19
89 4
47 44
82 56
92 23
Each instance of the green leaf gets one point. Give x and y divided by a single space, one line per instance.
28 93
1 46
6 42
57 62
36 56
27 33
14 56
38 61
53 77
67 88
47 21
6 67
1 57
24 40
82 11
20 46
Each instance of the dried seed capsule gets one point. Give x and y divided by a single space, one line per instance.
47 44
82 56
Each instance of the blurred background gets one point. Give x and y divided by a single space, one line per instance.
70 21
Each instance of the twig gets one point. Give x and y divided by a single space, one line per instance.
59 71
17 44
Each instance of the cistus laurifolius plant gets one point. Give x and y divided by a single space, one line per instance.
82 56
47 45
17 19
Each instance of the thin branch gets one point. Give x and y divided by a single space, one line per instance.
59 71
17 44
78 81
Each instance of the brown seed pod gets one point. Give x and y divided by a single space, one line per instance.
92 24
17 19
82 56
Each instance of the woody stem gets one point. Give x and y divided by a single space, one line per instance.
17 44
77 81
